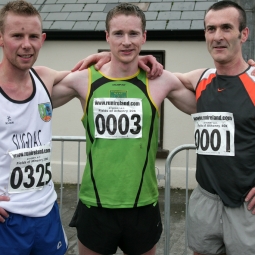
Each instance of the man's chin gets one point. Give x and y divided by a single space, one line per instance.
219 57
25 67
128 59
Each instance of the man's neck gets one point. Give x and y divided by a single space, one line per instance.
16 83
231 69
117 69
11 73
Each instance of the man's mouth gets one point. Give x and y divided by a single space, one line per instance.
219 47
126 51
26 56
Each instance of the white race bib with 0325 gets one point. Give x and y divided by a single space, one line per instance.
30 169
117 118
214 133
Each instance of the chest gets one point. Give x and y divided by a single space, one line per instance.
25 124
227 94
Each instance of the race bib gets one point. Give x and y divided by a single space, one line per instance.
214 133
30 169
117 118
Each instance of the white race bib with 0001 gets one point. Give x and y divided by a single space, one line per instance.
117 118
30 169
214 133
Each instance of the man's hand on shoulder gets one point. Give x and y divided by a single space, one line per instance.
150 65
251 62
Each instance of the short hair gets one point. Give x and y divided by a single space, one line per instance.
126 9
18 7
226 4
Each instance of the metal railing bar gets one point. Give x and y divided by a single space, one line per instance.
186 198
62 176
69 138
167 193
78 172
64 139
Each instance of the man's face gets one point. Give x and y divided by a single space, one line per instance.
125 37
21 40
223 38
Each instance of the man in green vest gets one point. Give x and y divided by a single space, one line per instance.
118 199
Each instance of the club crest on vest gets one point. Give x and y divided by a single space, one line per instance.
45 111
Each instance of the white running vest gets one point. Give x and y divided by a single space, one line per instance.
25 177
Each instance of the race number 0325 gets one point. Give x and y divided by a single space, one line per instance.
29 176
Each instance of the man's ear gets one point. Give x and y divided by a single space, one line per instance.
43 37
106 36
244 34
1 40
144 36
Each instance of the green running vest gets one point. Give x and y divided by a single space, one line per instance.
120 169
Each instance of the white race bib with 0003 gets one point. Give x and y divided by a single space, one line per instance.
214 133
30 169
117 118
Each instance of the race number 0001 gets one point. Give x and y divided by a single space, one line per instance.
206 140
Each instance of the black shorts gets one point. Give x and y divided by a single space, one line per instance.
103 230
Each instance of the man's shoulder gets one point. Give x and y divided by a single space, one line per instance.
205 73
79 74
251 72
166 75
42 70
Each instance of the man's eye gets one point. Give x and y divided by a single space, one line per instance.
226 27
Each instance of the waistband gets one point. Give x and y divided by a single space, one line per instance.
208 194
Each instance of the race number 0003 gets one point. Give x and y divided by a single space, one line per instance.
111 124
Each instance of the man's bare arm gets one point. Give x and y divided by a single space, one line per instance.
190 79
73 85
49 76
169 86
182 97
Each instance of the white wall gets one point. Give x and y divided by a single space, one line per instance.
178 128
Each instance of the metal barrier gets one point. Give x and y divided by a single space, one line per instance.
63 139
171 155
